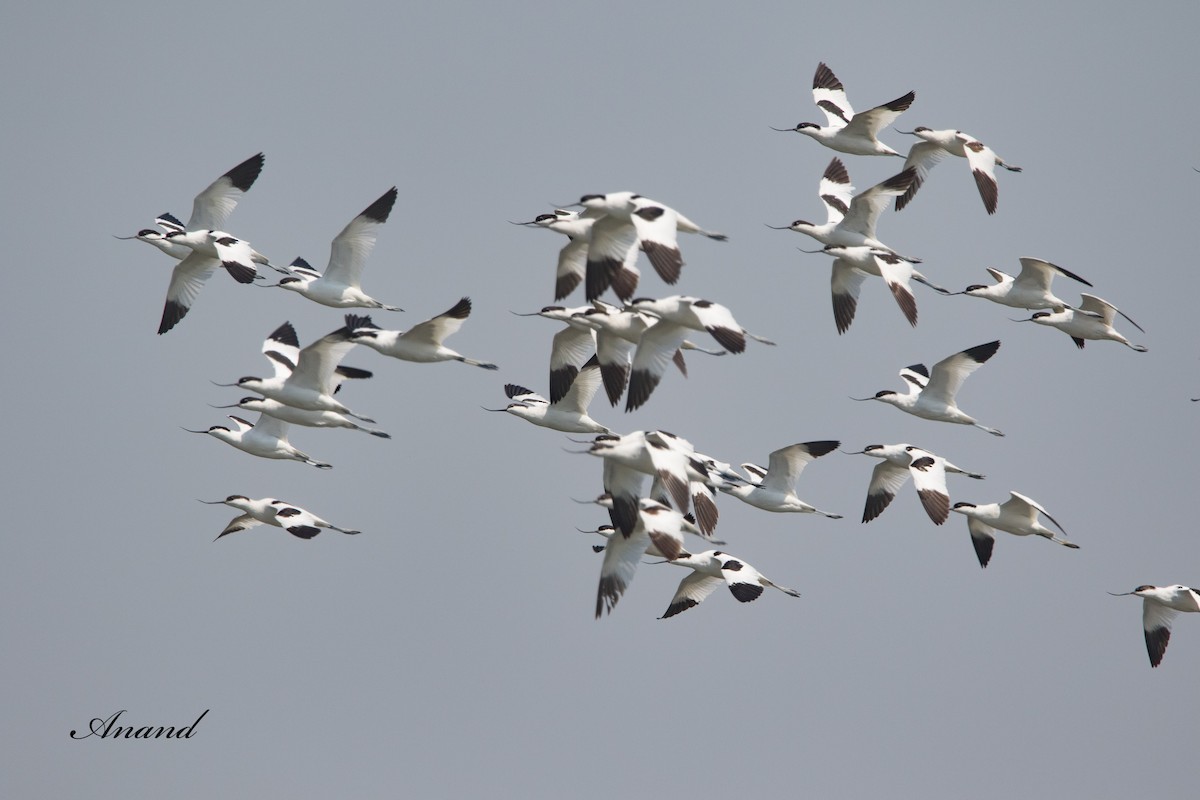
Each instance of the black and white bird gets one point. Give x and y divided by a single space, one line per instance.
308 382
1018 515
657 528
626 223
569 413
1160 606
1030 289
340 286
776 488
1092 320
572 258
266 438
853 265
570 348
936 145
422 343
859 219
847 132
269 511
932 395
928 471
712 568
210 210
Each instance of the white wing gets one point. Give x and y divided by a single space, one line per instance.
282 349
867 205
835 190
948 374
922 158
316 363
983 167
351 248
929 476
435 331
886 480
212 207
187 279
830 97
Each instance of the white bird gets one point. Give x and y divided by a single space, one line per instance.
1018 515
857 226
1160 606
572 258
657 526
982 160
295 520
931 396
309 382
1030 289
709 570
422 343
626 222
266 438
848 132
341 284
210 209
928 471
852 266
777 489
618 332
657 347
1092 320
569 414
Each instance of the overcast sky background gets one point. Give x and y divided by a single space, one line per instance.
450 650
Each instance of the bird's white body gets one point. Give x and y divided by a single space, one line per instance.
1030 289
847 132
1160 606
302 416
1092 320
711 569
423 343
777 489
569 414
340 286
932 395
936 144
266 438
1018 515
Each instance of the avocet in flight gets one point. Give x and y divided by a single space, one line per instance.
340 286
422 343
569 414
210 209
856 226
570 349
1018 515
1092 320
268 511
852 266
266 438
709 570
928 471
311 380
776 490
1030 289
847 132
658 527
936 145
1160 606
626 222
932 395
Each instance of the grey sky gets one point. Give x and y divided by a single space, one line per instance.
450 650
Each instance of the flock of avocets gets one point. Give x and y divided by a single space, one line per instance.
628 348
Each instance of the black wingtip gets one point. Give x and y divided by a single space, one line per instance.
381 208
244 174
